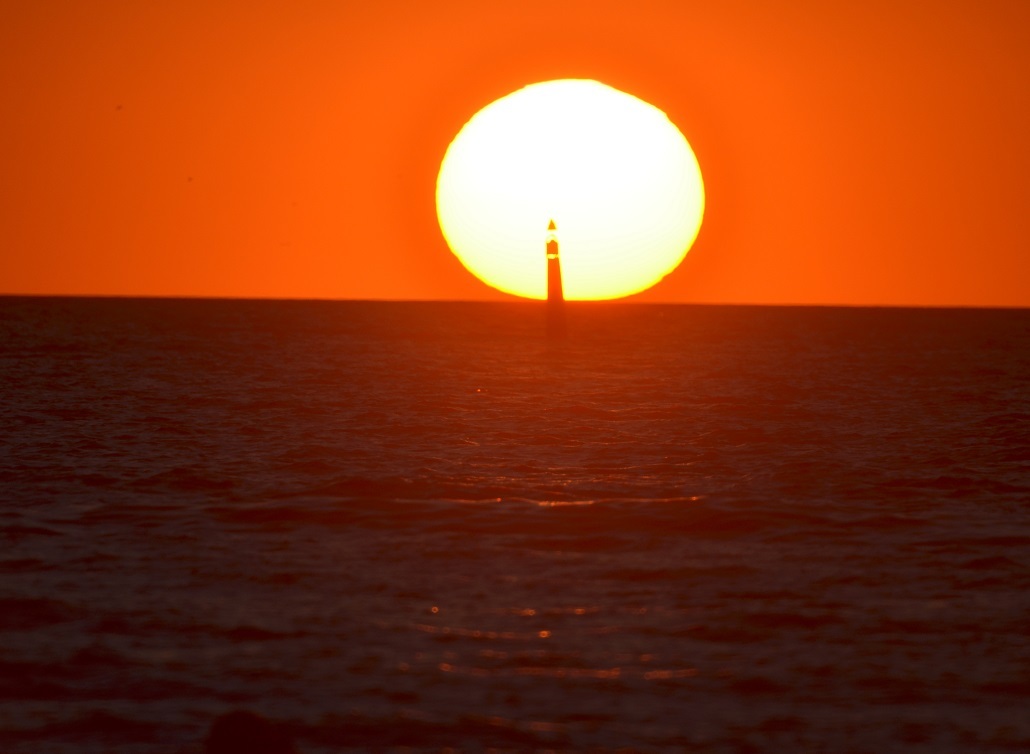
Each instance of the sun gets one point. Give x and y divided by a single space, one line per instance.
616 175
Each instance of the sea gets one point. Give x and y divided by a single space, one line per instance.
426 527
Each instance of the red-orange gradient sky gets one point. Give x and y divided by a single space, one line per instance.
858 152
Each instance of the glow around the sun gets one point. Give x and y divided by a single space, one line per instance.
616 175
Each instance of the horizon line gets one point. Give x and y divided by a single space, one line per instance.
628 301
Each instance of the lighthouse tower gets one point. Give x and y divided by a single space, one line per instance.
554 289
555 295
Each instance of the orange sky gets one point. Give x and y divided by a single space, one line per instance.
873 152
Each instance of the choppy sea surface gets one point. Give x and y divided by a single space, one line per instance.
425 525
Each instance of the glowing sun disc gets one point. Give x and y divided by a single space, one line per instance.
617 176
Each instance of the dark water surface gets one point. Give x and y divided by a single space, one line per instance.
385 525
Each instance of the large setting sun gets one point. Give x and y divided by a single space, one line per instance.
616 175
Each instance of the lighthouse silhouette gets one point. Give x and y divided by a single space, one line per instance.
555 294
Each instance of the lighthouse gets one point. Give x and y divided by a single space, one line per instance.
555 295
554 289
